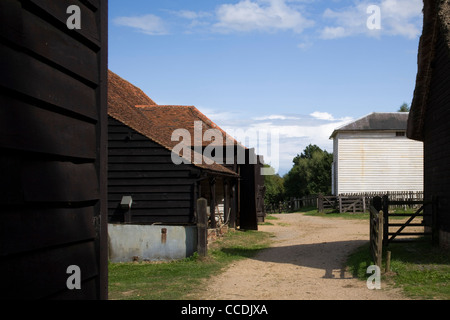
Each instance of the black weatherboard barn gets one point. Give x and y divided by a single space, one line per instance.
429 119
141 165
53 150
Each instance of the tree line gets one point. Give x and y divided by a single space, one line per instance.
310 174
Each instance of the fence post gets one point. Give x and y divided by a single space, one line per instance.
434 218
202 227
385 219
364 204
380 238
320 203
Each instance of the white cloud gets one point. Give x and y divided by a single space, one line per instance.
397 17
322 115
276 117
305 45
295 133
188 14
260 15
148 24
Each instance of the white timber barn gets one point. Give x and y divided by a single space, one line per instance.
373 154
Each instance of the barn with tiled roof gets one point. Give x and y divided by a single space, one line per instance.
159 177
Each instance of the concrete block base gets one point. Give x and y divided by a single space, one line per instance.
130 242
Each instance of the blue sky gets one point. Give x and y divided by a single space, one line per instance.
299 67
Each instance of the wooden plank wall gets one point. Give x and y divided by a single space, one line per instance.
162 192
437 136
52 149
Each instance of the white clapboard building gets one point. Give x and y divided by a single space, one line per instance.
373 154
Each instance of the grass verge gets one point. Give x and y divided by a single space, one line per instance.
182 279
421 270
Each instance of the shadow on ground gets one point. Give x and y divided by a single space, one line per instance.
329 256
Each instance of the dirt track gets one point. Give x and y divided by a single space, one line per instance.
305 262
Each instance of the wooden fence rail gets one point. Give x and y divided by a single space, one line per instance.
349 202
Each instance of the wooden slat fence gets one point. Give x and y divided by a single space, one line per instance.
349 202
360 202
293 204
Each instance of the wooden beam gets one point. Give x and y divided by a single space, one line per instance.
202 227
226 205
212 202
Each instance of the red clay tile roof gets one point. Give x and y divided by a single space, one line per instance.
183 117
121 91
122 100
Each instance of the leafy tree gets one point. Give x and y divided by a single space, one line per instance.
311 173
274 189
404 108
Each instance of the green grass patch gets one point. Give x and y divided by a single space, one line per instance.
267 220
182 279
421 270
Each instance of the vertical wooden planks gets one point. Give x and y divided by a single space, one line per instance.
53 149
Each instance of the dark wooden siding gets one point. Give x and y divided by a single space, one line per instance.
162 192
52 149
250 186
437 135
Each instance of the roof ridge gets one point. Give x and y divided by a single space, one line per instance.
373 122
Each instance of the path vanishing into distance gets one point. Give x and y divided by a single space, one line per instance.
305 262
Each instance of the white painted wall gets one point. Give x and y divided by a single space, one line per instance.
377 161
145 241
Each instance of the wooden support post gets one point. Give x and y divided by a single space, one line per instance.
226 199
388 261
234 197
434 221
364 204
212 202
386 220
380 238
202 227
127 216
320 203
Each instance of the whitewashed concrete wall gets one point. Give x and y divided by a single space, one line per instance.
147 242
377 161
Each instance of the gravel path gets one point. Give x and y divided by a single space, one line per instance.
305 262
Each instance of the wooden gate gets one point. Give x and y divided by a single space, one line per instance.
341 203
392 236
